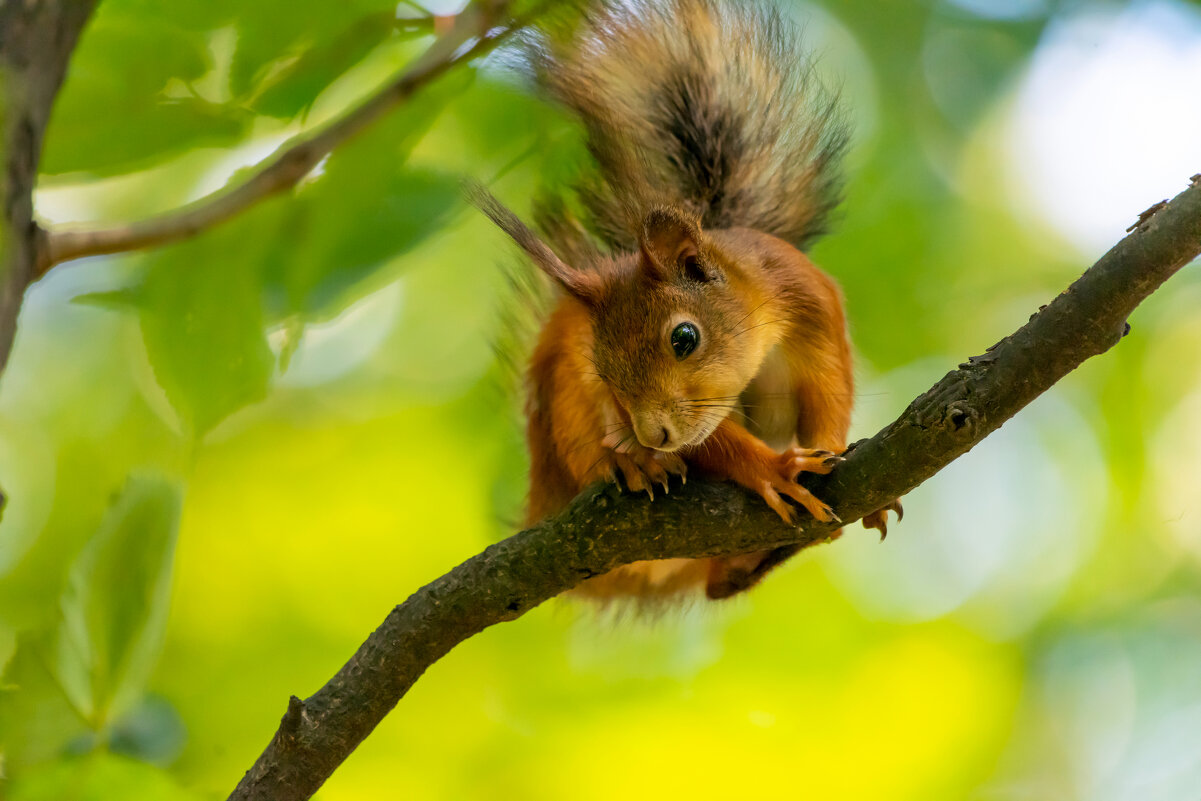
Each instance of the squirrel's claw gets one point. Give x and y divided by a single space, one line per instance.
774 486
642 468
808 460
879 518
775 479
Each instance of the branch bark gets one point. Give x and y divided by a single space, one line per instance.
603 528
36 40
477 24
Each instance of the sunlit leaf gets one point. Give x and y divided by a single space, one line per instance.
114 113
206 16
202 325
365 209
125 135
293 88
400 211
275 33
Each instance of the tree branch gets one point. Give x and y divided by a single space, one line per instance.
478 24
36 41
603 529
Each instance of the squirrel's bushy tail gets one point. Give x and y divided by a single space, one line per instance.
702 104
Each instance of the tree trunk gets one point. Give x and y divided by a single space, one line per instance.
36 40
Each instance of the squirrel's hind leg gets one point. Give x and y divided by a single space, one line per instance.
879 518
730 575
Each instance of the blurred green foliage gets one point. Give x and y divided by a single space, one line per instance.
226 459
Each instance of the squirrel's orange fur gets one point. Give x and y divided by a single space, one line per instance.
695 339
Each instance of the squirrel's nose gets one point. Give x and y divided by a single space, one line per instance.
654 431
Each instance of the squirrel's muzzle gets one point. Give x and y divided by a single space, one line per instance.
656 430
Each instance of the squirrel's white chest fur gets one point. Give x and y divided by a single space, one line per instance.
768 404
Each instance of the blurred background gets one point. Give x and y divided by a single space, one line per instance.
227 459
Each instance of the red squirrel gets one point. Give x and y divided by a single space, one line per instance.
691 335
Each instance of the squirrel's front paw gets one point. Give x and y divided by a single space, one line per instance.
778 477
642 468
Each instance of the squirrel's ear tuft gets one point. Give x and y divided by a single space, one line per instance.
578 283
671 242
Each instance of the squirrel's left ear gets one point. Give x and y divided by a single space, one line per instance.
671 244
585 286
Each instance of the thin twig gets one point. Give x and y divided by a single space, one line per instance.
294 160
603 529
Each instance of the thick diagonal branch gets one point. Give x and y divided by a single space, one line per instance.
476 30
603 529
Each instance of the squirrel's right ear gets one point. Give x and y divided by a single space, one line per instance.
578 283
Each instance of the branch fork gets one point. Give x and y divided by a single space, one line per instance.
469 34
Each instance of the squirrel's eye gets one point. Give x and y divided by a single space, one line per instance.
684 339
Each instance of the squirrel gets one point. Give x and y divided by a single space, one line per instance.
691 334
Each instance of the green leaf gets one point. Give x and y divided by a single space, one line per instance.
37 719
198 17
114 300
273 33
8 647
364 210
349 241
202 325
114 113
114 609
301 256
292 90
125 134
